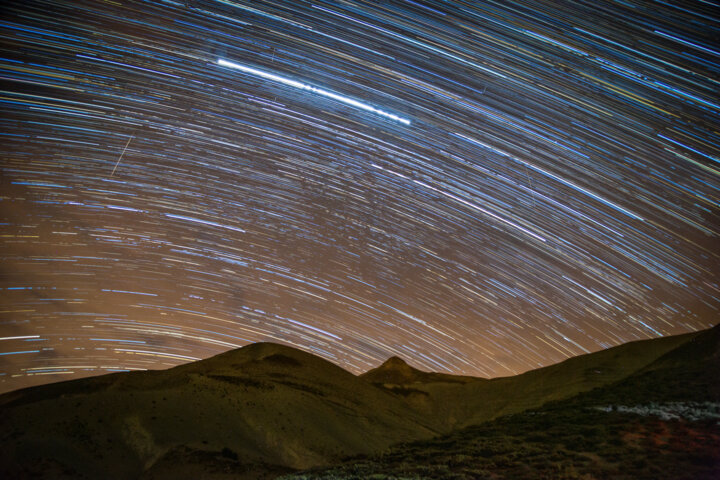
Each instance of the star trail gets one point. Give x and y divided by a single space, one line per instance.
319 91
480 188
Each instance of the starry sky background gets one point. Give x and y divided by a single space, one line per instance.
555 191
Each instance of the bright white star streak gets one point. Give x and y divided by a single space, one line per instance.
319 91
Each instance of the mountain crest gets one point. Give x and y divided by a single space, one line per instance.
272 408
395 363
395 371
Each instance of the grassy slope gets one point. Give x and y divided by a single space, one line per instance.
462 401
573 439
265 404
558 443
263 409
568 378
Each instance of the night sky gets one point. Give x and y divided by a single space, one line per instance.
480 188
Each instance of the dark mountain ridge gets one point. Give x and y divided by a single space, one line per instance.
395 371
266 409
660 422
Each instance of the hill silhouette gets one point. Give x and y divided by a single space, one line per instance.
266 409
395 371
270 406
456 401
660 422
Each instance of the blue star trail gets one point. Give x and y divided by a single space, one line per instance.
480 188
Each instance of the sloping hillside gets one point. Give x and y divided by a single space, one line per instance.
660 423
268 409
265 405
457 401
689 372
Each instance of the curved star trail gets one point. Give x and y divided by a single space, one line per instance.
478 187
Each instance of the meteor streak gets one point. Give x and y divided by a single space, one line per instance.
121 155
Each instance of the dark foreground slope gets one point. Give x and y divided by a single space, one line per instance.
661 422
462 401
259 410
266 410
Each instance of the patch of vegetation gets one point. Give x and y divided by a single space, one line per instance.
282 360
400 389
228 453
302 387
186 462
243 381
555 443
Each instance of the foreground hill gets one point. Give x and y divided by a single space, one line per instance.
458 401
660 423
262 409
266 410
562 443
